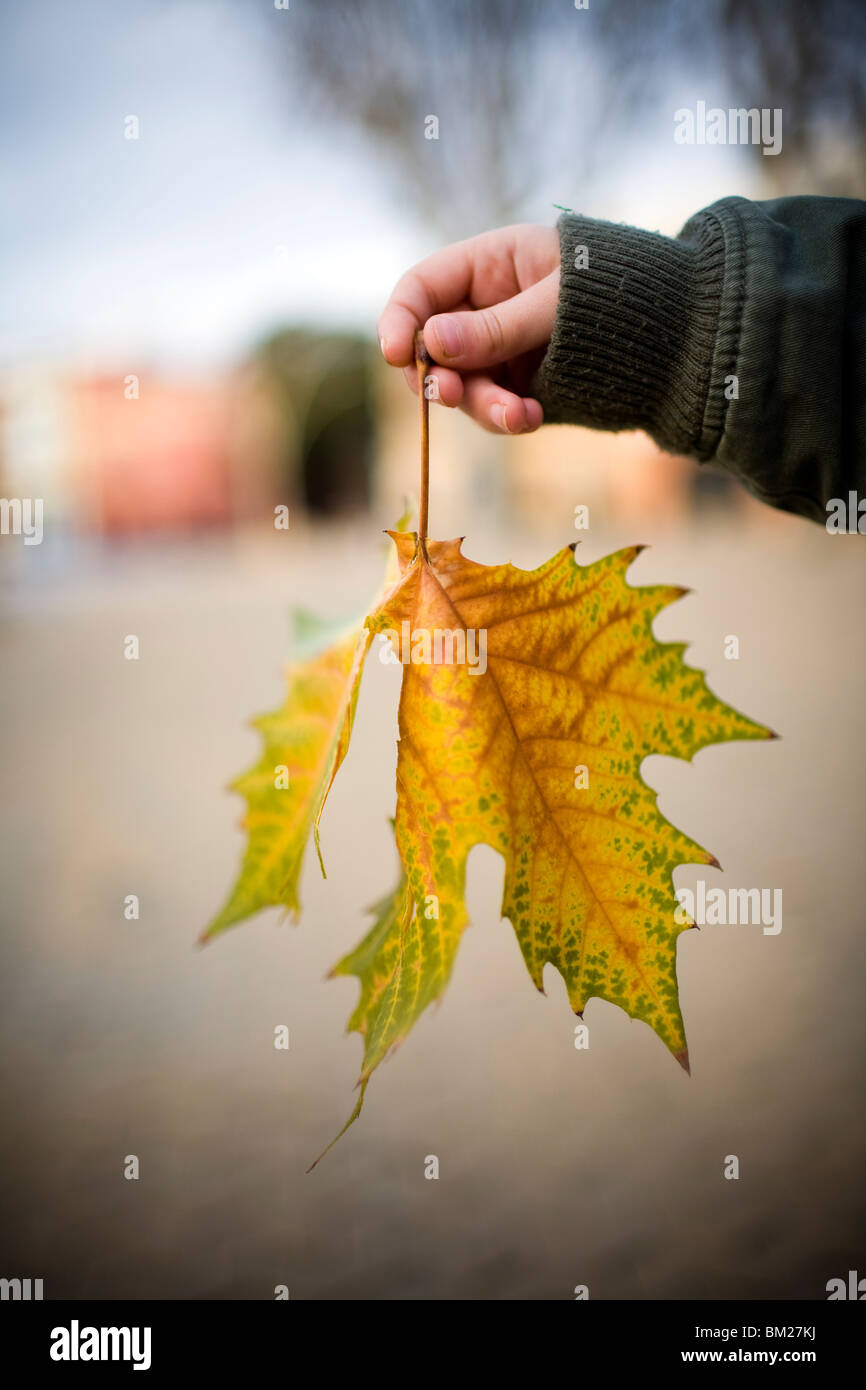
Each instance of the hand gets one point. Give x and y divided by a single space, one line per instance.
493 301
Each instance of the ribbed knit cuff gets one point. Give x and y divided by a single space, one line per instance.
636 338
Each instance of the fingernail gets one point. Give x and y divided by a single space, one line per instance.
449 335
382 347
497 415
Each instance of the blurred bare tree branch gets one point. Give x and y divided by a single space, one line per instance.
809 58
519 88
536 95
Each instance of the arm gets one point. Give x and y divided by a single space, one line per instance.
741 342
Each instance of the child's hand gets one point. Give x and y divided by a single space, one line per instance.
493 301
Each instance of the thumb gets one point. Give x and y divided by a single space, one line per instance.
483 337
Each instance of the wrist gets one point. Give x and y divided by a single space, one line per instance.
635 334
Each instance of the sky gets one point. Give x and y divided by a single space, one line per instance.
234 211
190 240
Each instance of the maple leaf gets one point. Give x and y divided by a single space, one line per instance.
538 755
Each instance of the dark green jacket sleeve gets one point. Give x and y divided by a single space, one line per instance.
740 342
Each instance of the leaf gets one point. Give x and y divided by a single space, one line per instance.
309 736
561 674
574 678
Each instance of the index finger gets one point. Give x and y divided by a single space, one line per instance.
434 285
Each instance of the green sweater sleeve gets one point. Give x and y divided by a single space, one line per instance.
740 342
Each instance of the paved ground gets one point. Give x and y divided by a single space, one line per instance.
558 1167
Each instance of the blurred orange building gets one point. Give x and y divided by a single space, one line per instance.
116 455
157 459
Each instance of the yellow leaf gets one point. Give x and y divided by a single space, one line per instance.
528 704
305 741
536 750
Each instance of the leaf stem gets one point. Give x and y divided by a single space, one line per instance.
422 362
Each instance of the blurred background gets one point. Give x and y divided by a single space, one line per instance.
206 206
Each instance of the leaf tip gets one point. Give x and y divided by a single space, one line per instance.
318 845
207 935
683 1059
351 1120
